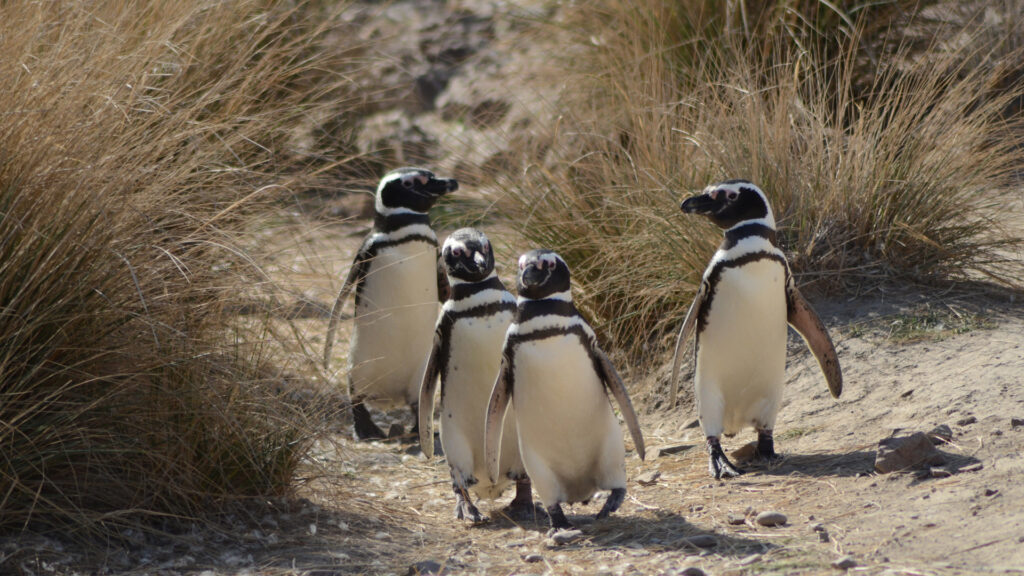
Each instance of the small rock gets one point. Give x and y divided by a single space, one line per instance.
906 452
747 561
735 519
692 423
648 478
823 536
941 434
563 537
692 571
771 518
673 449
972 467
907 394
991 491
427 568
996 433
1016 422
533 558
967 420
699 541
939 473
844 563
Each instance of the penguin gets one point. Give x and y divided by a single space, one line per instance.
398 284
467 355
557 380
746 298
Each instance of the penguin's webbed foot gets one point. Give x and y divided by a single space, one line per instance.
466 510
522 508
612 503
558 519
766 448
718 464
364 427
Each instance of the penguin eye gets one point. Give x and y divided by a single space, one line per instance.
551 264
732 194
407 183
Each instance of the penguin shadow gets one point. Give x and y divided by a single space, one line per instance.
666 532
818 465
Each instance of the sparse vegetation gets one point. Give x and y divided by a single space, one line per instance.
138 141
894 170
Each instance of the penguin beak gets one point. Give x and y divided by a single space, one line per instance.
441 186
699 204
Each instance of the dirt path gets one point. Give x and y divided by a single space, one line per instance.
836 505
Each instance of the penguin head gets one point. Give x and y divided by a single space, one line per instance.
411 190
730 203
467 255
542 274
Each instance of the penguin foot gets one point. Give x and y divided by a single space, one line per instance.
363 424
766 447
465 509
558 519
612 503
522 508
718 464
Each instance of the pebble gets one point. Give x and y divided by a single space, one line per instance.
991 491
966 421
771 518
844 563
692 571
648 478
566 536
735 519
941 434
427 568
747 561
699 541
940 473
1016 422
533 558
673 449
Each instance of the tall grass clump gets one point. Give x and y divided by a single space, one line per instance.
138 142
900 173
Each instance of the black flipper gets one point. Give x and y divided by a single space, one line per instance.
356 275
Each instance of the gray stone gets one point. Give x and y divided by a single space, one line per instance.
906 452
566 536
735 519
771 518
533 558
1016 422
966 420
844 563
648 478
939 473
941 434
673 449
692 571
427 568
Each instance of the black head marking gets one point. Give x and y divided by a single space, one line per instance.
542 273
468 255
730 203
412 189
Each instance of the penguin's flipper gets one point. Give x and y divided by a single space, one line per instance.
805 320
496 408
426 405
356 274
685 331
613 383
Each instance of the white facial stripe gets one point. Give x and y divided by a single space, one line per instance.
451 244
548 259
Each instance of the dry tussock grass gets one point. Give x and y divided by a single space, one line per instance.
137 142
901 173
